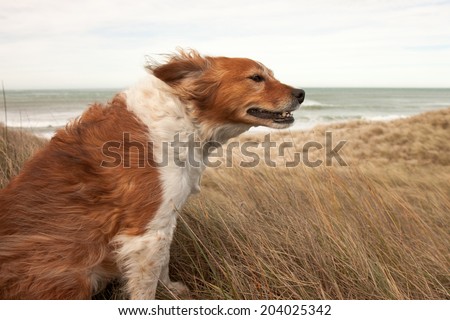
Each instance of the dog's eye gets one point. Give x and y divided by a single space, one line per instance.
256 78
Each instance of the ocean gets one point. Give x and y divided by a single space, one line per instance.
43 111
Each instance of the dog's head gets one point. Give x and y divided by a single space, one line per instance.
227 92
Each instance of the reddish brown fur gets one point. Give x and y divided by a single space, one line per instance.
66 208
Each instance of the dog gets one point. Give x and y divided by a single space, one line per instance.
73 219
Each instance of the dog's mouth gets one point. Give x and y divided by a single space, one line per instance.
284 117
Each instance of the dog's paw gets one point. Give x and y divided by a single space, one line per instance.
179 289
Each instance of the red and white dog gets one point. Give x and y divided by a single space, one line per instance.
68 224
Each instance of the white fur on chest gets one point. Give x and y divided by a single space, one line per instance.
144 259
167 119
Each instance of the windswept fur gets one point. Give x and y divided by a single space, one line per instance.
59 215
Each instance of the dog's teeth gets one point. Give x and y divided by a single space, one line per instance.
284 114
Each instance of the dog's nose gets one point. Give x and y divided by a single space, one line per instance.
299 94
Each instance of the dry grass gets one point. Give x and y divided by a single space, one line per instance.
376 229
15 148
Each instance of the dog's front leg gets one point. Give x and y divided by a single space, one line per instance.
142 259
175 287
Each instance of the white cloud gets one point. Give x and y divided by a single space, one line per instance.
54 43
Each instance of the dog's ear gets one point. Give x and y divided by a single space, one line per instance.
186 65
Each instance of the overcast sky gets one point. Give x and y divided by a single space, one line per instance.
312 43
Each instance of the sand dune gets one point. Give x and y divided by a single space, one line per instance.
378 228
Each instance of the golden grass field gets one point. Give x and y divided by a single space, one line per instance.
378 228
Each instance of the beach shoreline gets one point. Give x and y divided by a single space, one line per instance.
44 111
48 132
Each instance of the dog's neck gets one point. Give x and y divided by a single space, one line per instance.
177 109
222 133
159 108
